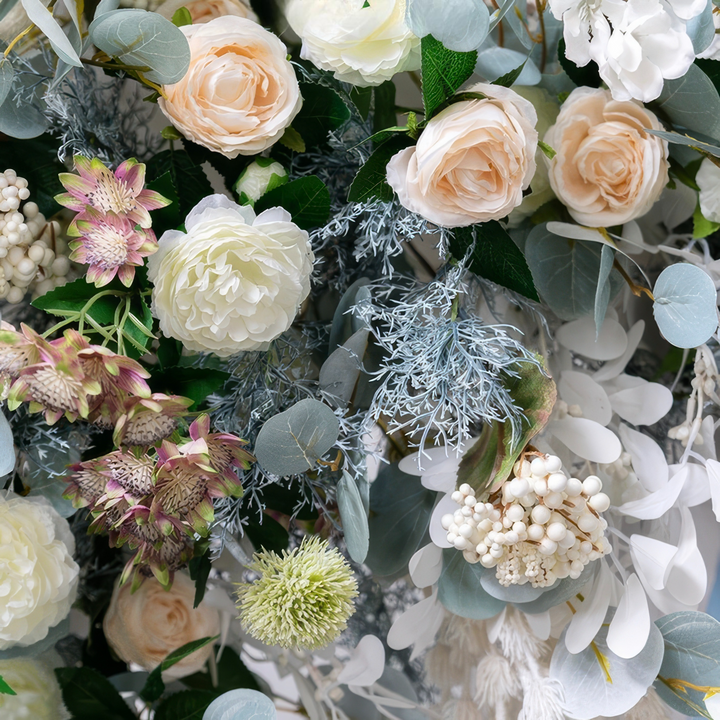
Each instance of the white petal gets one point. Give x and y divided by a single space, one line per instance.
613 368
579 336
576 232
713 471
651 558
648 458
495 625
686 574
642 405
426 565
707 432
540 624
438 534
590 614
630 628
7 448
712 705
656 504
366 664
577 388
417 625
588 439
697 486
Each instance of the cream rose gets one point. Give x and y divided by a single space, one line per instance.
38 693
239 93
708 180
145 626
38 576
607 170
361 43
472 161
203 11
233 281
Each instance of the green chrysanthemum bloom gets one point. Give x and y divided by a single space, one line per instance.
302 599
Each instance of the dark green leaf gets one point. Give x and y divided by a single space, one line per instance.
323 110
169 352
362 98
712 69
168 217
188 178
288 500
293 140
231 674
191 382
307 199
199 568
185 705
268 535
495 257
371 180
509 79
384 115
443 72
5 689
587 75
89 696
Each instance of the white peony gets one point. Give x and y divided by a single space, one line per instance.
362 43
708 180
259 177
233 281
38 693
38 576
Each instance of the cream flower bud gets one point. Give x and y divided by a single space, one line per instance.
233 281
38 693
259 177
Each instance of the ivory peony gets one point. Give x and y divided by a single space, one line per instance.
38 576
38 693
361 43
708 180
203 11
472 161
233 281
239 93
145 626
607 170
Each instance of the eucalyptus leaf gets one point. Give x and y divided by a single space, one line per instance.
460 25
106 6
42 17
496 62
340 372
599 683
602 291
21 119
293 441
461 591
692 655
6 6
7 73
685 306
678 139
511 594
559 593
241 703
143 39
55 634
345 323
701 29
354 518
7 447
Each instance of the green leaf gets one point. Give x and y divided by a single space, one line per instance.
231 674
268 534
547 150
495 257
711 68
509 79
293 140
5 689
188 178
371 180
384 115
400 510
181 17
154 686
7 73
353 516
199 568
602 291
443 72
89 696
687 140
191 382
323 110
362 99
307 199
702 227
588 75
185 705
692 655
168 217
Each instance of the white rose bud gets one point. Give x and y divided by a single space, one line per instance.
259 177
708 180
38 693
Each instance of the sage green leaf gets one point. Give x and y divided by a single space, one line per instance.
43 18
143 39
7 74
293 441
559 593
602 290
243 704
687 140
461 25
55 634
701 29
354 518
443 72
345 323
340 372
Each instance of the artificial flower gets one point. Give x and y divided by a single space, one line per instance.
607 170
472 162
302 599
37 693
233 281
203 11
362 43
708 180
145 626
259 177
147 420
39 575
239 94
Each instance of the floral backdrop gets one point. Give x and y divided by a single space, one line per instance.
359 359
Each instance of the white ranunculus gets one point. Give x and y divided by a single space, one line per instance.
239 94
708 180
259 177
38 693
472 161
361 43
38 576
233 281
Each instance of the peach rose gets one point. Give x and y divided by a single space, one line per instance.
145 626
239 93
472 161
607 170
203 11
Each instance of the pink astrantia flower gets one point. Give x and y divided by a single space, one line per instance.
121 192
146 421
111 245
226 453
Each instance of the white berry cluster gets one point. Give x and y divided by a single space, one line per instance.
31 251
539 527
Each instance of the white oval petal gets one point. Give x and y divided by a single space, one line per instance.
644 404
426 565
630 627
697 486
686 574
577 388
366 664
590 614
651 558
648 459
613 368
579 336
588 439
540 624
656 504
437 533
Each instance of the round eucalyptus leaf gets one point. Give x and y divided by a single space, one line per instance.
241 704
512 593
685 306
353 516
558 593
143 39
460 25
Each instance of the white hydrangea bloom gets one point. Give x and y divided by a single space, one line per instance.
38 693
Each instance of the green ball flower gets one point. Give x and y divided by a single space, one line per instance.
302 599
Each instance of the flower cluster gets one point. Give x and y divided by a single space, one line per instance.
155 500
113 220
539 527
